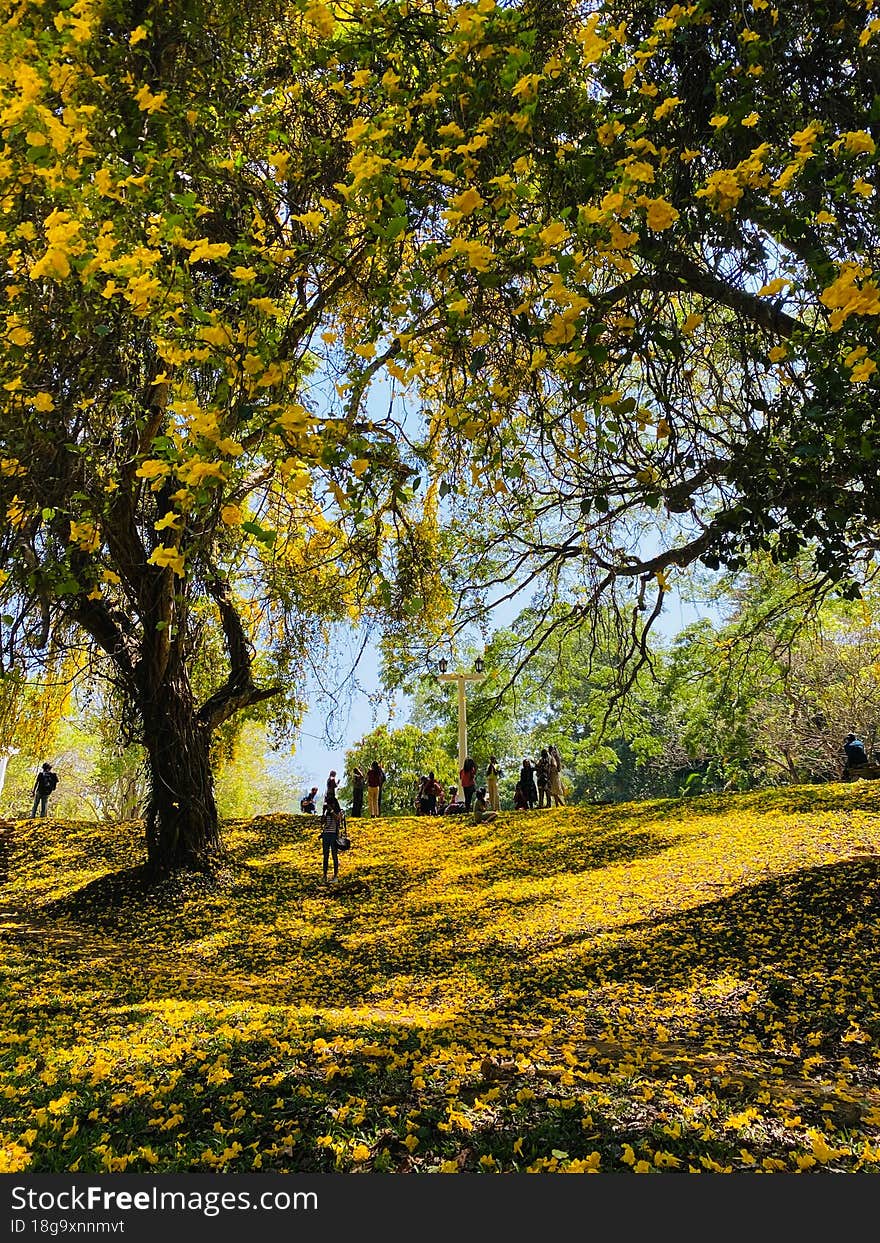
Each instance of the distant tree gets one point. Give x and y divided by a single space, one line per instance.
405 754
32 704
247 786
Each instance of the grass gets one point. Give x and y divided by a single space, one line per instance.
674 985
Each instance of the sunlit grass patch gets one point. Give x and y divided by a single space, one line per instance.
672 985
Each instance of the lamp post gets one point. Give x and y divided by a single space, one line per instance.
461 678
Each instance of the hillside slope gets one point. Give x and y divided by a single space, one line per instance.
655 986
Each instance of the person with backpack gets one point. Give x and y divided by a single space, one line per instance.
855 752
331 823
44 785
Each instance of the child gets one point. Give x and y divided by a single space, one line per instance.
482 814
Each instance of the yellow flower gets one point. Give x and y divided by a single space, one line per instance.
148 102
774 287
554 234
172 558
858 142
466 203
659 214
664 109
153 469
863 371
204 249
560 332
722 190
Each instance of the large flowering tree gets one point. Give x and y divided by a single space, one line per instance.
623 259
175 457
656 256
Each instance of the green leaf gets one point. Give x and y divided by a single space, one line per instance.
262 534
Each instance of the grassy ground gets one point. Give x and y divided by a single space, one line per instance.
662 986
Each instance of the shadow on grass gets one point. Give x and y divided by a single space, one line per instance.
804 943
600 846
811 923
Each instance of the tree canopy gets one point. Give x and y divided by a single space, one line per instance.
620 263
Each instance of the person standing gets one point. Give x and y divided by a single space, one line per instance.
357 795
44 785
527 782
556 778
435 792
382 779
493 772
374 785
542 778
468 778
330 822
332 783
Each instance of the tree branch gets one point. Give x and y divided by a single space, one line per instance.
239 690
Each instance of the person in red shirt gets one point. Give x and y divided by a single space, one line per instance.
468 778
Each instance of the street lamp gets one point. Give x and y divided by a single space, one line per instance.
461 679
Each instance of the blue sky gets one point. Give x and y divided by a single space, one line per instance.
314 757
355 713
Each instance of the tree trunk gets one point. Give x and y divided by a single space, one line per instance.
4 761
183 829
